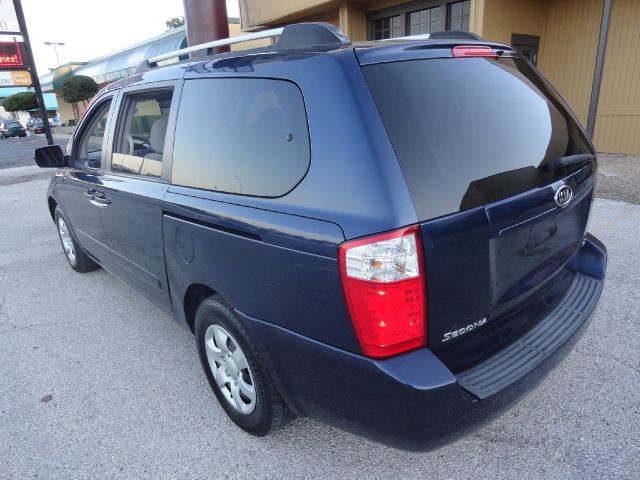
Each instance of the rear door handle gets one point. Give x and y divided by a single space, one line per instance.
98 202
99 199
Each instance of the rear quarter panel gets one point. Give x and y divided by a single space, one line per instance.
275 267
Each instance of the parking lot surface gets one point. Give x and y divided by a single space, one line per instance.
98 383
18 152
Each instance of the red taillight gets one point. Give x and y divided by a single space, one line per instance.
384 285
463 51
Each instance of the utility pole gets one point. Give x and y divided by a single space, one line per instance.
206 20
597 73
55 49
32 68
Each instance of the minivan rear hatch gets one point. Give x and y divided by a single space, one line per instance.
501 176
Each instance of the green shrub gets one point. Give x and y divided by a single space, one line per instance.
21 102
79 88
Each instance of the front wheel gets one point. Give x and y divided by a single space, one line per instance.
78 260
235 370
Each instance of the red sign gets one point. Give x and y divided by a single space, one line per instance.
10 55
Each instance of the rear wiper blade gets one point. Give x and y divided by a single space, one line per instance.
565 161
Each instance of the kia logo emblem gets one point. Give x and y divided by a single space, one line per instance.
563 196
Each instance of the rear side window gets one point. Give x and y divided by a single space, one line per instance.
472 131
240 135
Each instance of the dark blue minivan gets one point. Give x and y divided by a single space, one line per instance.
387 236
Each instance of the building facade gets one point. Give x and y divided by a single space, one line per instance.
123 63
560 36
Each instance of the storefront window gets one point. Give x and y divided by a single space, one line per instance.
458 14
424 21
418 18
387 27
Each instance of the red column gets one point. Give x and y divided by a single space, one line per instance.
206 21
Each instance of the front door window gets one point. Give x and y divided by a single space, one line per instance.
88 151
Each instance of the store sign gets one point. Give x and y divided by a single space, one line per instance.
8 19
16 78
10 55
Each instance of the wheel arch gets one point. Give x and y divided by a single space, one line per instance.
195 294
52 207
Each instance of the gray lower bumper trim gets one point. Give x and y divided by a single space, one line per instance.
518 359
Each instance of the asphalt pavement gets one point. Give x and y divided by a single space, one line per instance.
95 382
18 152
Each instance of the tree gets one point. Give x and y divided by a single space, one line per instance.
21 102
174 22
79 88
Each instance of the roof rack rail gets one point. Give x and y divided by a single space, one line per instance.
293 36
273 32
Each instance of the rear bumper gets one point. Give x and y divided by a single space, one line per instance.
414 401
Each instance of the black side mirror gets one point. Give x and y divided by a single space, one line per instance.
51 156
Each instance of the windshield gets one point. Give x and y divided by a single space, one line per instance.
472 131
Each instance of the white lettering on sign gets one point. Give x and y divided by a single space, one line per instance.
8 19
15 78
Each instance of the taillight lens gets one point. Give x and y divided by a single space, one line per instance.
384 286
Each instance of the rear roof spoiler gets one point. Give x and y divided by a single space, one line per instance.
445 35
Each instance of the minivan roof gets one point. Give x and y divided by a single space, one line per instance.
368 52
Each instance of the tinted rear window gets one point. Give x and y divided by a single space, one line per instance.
239 135
472 131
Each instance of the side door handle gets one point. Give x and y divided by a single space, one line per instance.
99 199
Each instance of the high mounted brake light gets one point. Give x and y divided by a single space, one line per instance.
465 51
384 286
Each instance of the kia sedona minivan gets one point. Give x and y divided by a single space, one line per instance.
387 236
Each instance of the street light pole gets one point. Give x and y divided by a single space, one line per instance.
55 48
32 68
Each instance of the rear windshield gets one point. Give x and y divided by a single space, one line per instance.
472 131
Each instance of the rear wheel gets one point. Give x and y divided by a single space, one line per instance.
235 370
78 260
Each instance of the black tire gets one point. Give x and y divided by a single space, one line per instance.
270 412
80 261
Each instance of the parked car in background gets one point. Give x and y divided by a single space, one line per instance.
35 125
414 273
55 121
11 128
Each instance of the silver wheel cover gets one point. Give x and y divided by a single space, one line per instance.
230 369
67 241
